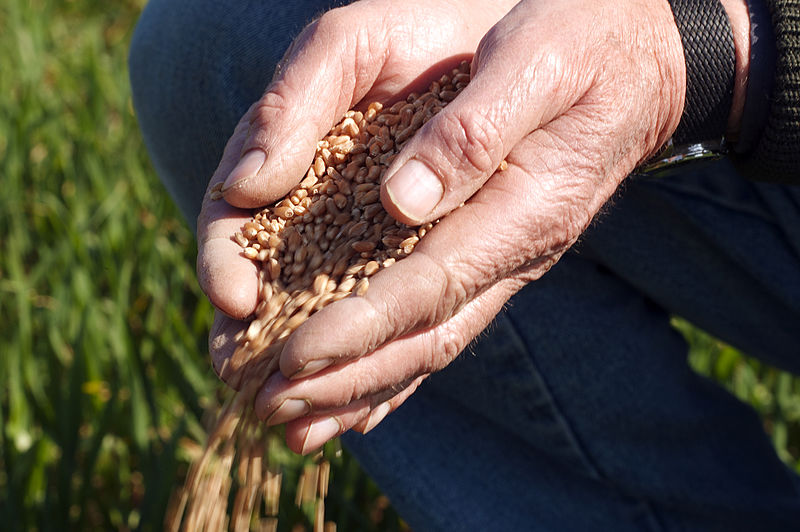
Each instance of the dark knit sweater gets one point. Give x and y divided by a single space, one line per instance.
776 156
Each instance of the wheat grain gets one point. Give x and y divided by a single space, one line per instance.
321 243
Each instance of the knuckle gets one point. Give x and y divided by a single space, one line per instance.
573 221
269 108
453 286
335 25
351 392
446 344
491 44
370 380
388 311
472 141
329 27
456 291
452 343
273 122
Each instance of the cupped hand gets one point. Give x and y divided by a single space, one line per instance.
572 95
368 51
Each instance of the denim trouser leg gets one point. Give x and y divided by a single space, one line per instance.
576 410
196 66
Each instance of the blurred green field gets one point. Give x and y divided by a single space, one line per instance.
103 370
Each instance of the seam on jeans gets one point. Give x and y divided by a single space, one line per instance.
569 434
649 514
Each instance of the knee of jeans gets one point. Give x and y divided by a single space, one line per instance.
195 67
157 62
179 87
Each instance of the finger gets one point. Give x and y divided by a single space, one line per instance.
309 91
382 373
229 279
222 343
347 54
513 94
510 95
379 412
524 217
558 178
469 250
310 433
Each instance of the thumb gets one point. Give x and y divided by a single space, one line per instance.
510 95
364 51
308 94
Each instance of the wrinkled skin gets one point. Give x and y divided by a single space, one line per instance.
572 94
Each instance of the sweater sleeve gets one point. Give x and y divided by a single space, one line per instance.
776 154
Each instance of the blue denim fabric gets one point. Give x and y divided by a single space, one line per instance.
195 67
576 410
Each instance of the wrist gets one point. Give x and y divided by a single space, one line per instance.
716 79
759 74
740 26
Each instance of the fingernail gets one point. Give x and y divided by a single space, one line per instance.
312 367
415 189
248 167
321 431
377 415
290 409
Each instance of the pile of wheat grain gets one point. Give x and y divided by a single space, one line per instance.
318 245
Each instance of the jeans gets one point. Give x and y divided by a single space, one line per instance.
576 409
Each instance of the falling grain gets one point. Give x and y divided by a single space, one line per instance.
321 243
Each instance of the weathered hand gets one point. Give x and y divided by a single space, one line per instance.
369 51
573 95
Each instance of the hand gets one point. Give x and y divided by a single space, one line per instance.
369 51
573 96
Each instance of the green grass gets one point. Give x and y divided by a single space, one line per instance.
774 394
104 367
